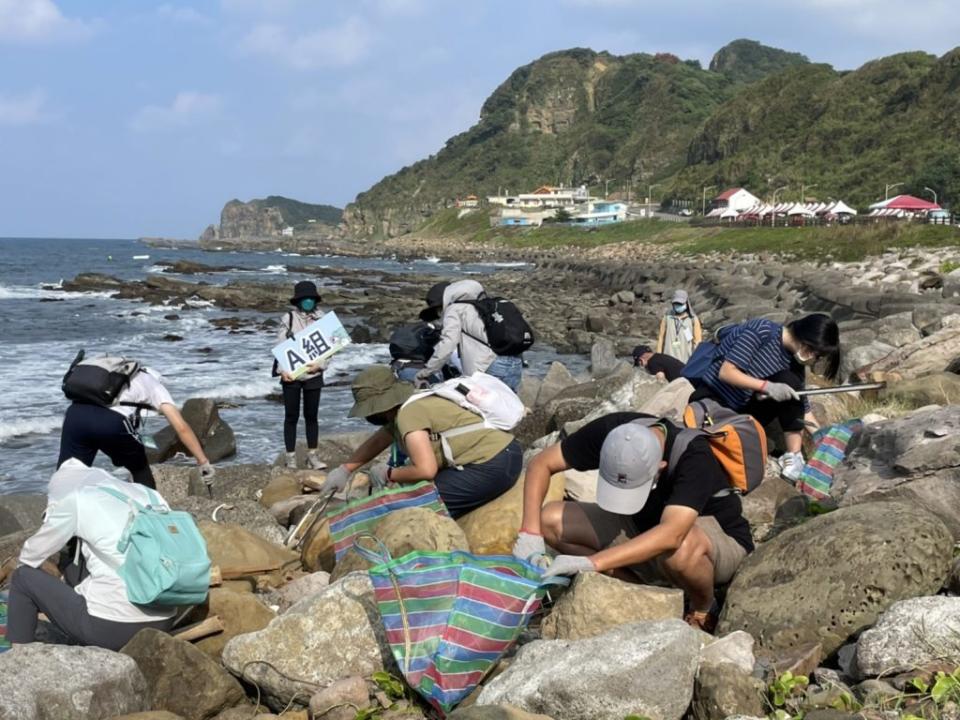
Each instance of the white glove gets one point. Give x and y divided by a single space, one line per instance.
207 471
779 392
379 475
531 548
337 480
570 565
422 380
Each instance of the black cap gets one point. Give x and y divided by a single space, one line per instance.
640 350
434 301
304 289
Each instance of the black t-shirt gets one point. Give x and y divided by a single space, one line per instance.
696 478
667 364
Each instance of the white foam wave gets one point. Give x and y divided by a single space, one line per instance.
26 292
239 390
38 425
155 268
432 259
508 264
276 269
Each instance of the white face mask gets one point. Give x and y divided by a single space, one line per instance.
804 359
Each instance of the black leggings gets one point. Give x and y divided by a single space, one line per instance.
291 413
790 412
88 429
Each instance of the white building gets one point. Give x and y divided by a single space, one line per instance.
287 231
737 199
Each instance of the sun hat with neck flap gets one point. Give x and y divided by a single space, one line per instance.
376 390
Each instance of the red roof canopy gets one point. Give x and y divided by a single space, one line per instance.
727 194
909 202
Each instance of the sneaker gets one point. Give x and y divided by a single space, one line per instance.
314 462
791 466
291 461
702 620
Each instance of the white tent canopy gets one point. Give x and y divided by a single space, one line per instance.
799 209
841 208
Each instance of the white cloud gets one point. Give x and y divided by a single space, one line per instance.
187 108
181 14
29 109
334 46
31 21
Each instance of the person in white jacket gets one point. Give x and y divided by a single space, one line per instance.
463 330
96 611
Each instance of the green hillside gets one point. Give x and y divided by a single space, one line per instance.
747 61
298 213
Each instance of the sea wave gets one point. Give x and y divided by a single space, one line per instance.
239 390
27 292
432 259
37 425
275 269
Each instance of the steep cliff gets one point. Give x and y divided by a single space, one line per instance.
262 222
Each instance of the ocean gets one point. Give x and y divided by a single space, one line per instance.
43 327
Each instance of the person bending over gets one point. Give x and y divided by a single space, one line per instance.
758 367
657 364
115 430
485 462
680 526
95 612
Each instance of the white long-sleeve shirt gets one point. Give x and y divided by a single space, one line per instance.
462 331
78 507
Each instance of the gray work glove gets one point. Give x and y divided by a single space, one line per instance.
779 392
337 480
570 565
531 548
207 472
378 475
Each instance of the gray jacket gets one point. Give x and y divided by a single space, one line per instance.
463 329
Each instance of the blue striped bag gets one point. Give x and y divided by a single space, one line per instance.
832 444
4 643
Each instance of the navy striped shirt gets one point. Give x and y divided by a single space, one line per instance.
756 348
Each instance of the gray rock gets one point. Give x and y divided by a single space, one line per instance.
603 357
203 417
343 700
827 579
57 682
529 390
645 668
596 603
302 588
334 634
248 514
598 321
723 690
21 512
557 379
180 678
910 634
934 353
233 482
173 481
854 358
733 649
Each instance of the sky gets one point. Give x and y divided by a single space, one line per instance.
141 118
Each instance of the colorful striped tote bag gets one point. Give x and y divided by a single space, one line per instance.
450 616
4 643
361 515
832 444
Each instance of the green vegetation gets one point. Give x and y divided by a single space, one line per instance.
747 61
298 213
948 266
841 243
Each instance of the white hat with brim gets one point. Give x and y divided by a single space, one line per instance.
629 461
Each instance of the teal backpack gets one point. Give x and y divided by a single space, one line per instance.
165 556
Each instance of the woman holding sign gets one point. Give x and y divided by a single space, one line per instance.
306 385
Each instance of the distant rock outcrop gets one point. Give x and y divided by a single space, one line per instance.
270 222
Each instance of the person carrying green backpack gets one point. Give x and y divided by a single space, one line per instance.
142 561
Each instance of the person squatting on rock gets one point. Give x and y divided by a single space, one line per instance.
96 611
115 430
657 364
680 329
486 462
463 330
411 346
305 312
757 367
681 526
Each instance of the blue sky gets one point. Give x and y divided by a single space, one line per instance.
121 119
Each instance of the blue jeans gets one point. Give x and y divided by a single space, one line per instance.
477 484
509 369
408 373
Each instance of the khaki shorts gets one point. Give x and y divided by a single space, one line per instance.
612 529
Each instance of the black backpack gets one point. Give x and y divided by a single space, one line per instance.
414 342
99 381
507 331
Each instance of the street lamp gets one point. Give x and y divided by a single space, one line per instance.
773 213
650 198
934 192
606 189
888 188
803 192
703 203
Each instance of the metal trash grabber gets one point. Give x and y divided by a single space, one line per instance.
841 389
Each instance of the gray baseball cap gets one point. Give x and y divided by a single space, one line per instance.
629 461
680 296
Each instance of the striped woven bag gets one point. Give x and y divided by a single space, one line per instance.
450 616
361 515
832 445
4 643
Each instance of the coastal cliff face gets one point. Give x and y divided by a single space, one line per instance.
261 224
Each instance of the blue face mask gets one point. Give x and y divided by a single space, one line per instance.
679 308
308 304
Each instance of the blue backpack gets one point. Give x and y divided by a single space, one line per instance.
165 556
705 355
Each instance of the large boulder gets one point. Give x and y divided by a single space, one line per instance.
334 634
557 379
301 588
494 712
829 578
21 512
492 529
404 531
942 388
181 678
58 682
911 634
645 668
235 482
174 481
723 690
203 417
853 359
231 547
595 603
240 613
914 458
934 353
603 357
248 514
